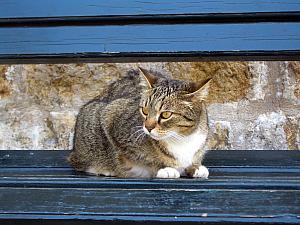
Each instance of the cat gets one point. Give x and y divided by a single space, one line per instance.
144 126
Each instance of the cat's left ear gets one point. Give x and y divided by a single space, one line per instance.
148 80
200 91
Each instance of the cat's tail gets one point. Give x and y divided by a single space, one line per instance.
75 161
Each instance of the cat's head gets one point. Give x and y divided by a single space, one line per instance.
171 108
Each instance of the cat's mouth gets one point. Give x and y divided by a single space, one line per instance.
158 138
171 135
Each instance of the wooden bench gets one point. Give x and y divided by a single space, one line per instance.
261 187
130 31
257 187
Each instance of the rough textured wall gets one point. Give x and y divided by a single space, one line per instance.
252 105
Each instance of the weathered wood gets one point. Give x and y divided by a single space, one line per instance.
150 43
231 181
229 158
54 8
261 187
152 19
33 158
139 220
61 13
264 172
235 169
123 40
169 205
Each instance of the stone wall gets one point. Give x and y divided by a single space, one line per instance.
251 105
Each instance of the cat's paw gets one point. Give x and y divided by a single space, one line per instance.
168 172
201 172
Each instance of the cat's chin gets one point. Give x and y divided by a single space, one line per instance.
159 138
156 137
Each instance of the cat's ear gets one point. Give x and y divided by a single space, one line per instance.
147 79
199 91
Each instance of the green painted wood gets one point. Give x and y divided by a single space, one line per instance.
257 187
215 158
54 8
197 205
133 31
30 13
232 181
184 42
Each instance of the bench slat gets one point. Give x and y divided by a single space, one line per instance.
231 181
133 43
55 8
222 18
240 172
169 204
216 158
261 187
32 219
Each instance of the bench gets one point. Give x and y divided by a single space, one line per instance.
261 187
257 187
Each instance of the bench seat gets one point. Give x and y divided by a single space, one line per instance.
261 187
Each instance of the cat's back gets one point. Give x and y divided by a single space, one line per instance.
127 87
120 96
117 92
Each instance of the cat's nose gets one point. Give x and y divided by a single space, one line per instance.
150 124
149 128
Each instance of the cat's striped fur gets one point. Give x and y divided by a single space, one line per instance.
144 126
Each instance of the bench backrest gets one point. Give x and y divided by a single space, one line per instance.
58 31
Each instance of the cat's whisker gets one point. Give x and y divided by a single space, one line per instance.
175 139
179 135
142 132
140 135
132 135
142 138
136 132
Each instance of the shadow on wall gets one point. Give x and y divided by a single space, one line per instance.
251 105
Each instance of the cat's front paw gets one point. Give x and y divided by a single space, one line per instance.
196 171
201 172
168 172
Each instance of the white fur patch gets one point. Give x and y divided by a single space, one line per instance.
168 172
185 150
139 171
96 171
201 172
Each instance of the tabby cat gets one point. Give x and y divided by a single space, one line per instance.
144 126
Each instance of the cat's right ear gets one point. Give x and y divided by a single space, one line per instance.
199 92
147 79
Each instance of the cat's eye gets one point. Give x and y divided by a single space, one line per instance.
166 115
144 111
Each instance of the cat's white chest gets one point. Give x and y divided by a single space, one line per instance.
185 150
